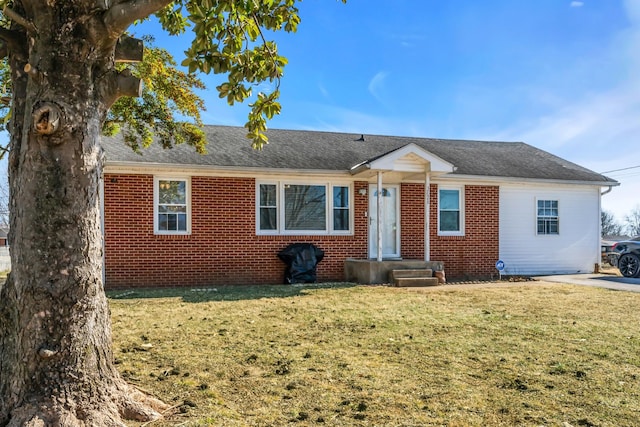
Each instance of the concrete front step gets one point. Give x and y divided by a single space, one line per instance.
406 282
409 272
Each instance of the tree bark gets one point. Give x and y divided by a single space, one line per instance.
56 362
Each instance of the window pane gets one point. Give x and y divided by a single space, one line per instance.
268 219
162 222
449 200
172 222
182 222
341 219
340 197
172 192
267 195
305 207
172 209
449 221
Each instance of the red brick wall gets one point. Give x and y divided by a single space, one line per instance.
223 247
474 254
412 221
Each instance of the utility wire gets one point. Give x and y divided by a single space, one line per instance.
623 169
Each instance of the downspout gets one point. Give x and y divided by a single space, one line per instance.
427 216
598 264
379 216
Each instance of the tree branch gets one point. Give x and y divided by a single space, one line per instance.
120 84
129 49
119 16
129 85
20 20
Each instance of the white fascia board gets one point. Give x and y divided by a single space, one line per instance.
516 180
222 171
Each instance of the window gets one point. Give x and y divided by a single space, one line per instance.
171 206
305 207
450 214
341 208
547 217
295 208
268 207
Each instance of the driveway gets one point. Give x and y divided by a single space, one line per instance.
599 280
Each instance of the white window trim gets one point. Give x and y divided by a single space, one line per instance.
156 190
536 216
280 187
460 189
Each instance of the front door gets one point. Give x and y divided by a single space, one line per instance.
390 221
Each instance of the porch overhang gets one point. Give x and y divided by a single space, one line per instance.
407 160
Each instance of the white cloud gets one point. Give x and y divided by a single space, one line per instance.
577 3
323 90
376 84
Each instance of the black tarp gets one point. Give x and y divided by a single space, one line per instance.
301 260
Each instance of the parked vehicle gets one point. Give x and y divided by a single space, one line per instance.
626 256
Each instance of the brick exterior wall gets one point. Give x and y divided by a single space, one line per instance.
474 254
412 221
223 247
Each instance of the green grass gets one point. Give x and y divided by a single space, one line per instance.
340 355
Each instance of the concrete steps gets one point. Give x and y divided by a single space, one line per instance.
412 278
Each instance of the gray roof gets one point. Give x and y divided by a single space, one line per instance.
313 150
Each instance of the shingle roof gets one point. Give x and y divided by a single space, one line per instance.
313 150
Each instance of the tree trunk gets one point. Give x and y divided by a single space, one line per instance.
56 362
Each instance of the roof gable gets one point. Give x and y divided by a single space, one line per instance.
409 158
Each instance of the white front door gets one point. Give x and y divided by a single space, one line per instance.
390 221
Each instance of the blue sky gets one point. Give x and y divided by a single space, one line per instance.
561 75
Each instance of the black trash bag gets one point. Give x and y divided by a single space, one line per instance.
301 260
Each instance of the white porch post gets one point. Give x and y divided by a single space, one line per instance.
427 216
379 216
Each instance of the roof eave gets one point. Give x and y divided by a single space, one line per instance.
512 179
138 167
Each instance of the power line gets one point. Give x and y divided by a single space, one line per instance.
623 169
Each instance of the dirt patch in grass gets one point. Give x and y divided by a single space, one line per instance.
529 354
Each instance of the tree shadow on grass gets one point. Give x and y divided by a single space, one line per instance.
224 293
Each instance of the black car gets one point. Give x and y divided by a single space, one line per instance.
627 257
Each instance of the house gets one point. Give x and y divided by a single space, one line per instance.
173 217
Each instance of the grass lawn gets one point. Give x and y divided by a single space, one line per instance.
532 354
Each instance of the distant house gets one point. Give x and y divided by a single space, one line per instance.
173 217
4 232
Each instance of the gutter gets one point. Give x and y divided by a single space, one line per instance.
361 167
208 170
608 190
518 180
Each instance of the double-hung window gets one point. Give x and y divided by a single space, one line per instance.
450 211
547 215
172 209
303 208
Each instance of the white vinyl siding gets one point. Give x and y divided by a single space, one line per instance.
574 249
